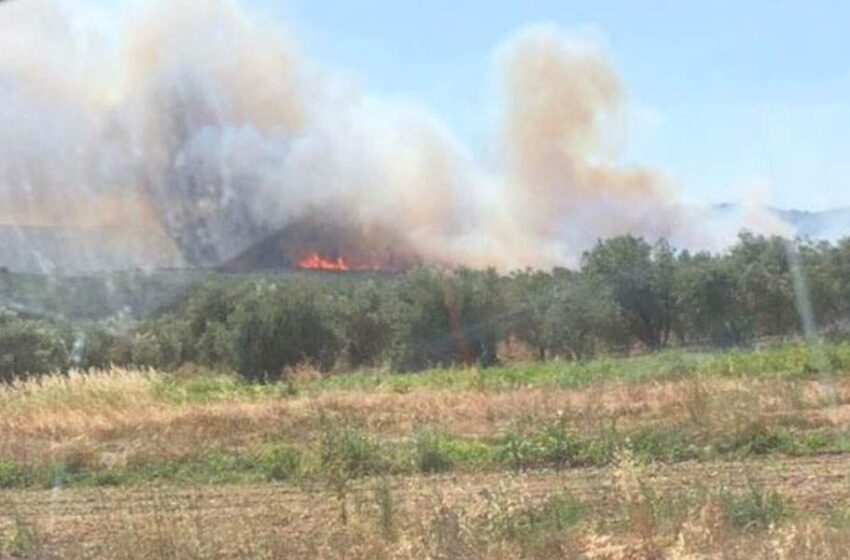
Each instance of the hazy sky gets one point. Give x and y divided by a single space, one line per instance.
723 94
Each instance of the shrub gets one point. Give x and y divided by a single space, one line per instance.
146 350
30 348
207 315
468 452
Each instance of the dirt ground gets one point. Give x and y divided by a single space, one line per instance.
301 516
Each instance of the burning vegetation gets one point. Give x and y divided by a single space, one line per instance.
328 243
315 261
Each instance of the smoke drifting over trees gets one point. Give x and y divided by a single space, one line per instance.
198 130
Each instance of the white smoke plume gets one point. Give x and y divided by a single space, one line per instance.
197 131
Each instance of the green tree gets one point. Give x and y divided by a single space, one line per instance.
713 307
580 316
640 282
207 318
446 318
827 270
766 288
366 328
528 297
97 348
279 329
30 348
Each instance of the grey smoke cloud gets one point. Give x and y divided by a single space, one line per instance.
203 130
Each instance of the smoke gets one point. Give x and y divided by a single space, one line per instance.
196 131
564 115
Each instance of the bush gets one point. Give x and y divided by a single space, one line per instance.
30 348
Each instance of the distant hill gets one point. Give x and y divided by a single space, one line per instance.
828 224
64 250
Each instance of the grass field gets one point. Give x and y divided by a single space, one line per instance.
677 455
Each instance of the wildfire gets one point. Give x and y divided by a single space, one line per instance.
315 261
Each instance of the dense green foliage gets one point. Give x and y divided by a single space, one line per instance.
626 295
30 347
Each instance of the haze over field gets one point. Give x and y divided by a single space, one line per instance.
197 130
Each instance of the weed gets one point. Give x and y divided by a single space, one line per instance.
662 444
518 450
839 517
349 451
21 540
386 507
281 462
560 447
430 454
558 512
757 437
13 476
469 453
755 509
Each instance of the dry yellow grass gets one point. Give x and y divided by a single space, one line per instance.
107 417
467 516
631 510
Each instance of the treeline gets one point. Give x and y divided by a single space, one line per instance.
626 295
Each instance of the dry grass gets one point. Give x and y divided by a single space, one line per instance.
628 510
110 417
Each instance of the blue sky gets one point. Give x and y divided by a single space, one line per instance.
723 93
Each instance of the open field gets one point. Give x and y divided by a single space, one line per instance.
742 454
688 510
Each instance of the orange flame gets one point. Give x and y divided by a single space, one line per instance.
315 261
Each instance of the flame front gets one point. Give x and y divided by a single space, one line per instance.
315 261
